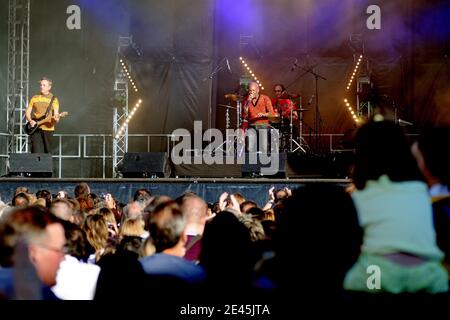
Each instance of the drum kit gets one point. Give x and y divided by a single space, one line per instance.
290 140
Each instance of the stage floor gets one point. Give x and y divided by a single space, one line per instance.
123 189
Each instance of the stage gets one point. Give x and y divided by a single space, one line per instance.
123 189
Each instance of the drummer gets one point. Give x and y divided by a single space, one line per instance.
282 104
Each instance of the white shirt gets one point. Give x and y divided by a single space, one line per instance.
76 280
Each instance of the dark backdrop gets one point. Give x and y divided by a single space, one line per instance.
181 42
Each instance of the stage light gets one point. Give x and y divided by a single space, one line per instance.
355 70
250 71
351 111
128 74
128 119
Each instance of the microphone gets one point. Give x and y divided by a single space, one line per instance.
294 66
310 100
228 64
404 123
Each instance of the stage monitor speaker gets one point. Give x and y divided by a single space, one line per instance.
253 167
146 165
30 164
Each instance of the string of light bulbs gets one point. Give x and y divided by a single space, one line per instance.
352 112
128 119
355 70
122 128
127 72
245 64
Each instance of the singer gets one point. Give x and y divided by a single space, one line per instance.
255 114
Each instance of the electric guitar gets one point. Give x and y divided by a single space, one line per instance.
44 120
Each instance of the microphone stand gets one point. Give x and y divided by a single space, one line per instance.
216 70
317 117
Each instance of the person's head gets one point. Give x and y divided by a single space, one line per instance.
132 227
278 90
239 197
46 195
195 210
45 85
96 229
382 148
82 190
78 245
247 205
280 194
166 226
62 195
142 194
109 216
253 89
44 237
226 252
432 156
62 209
320 221
21 190
254 227
20 200
132 244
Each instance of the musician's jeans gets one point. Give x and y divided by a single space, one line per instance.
41 141
258 141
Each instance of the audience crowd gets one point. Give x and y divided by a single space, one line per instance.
384 238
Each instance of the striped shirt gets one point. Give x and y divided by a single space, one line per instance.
39 104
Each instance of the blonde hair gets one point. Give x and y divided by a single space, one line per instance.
132 227
96 231
46 79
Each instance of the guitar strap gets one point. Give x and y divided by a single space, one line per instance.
49 107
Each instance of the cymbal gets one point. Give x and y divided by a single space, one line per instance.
227 106
233 96
300 109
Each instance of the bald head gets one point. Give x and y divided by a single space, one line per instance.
194 209
253 88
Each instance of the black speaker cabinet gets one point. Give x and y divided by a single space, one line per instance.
255 165
30 164
146 165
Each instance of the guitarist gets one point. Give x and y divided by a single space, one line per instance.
37 108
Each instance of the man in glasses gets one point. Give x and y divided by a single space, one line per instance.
284 106
32 243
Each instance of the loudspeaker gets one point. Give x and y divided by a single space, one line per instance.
31 164
275 168
146 165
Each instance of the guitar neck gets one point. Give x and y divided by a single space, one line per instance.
50 118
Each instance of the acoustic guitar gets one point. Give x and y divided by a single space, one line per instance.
50 119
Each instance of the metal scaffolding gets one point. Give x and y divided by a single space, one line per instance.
364 90
18 73
120 112
364 106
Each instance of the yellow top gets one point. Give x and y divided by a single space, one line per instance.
39 104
